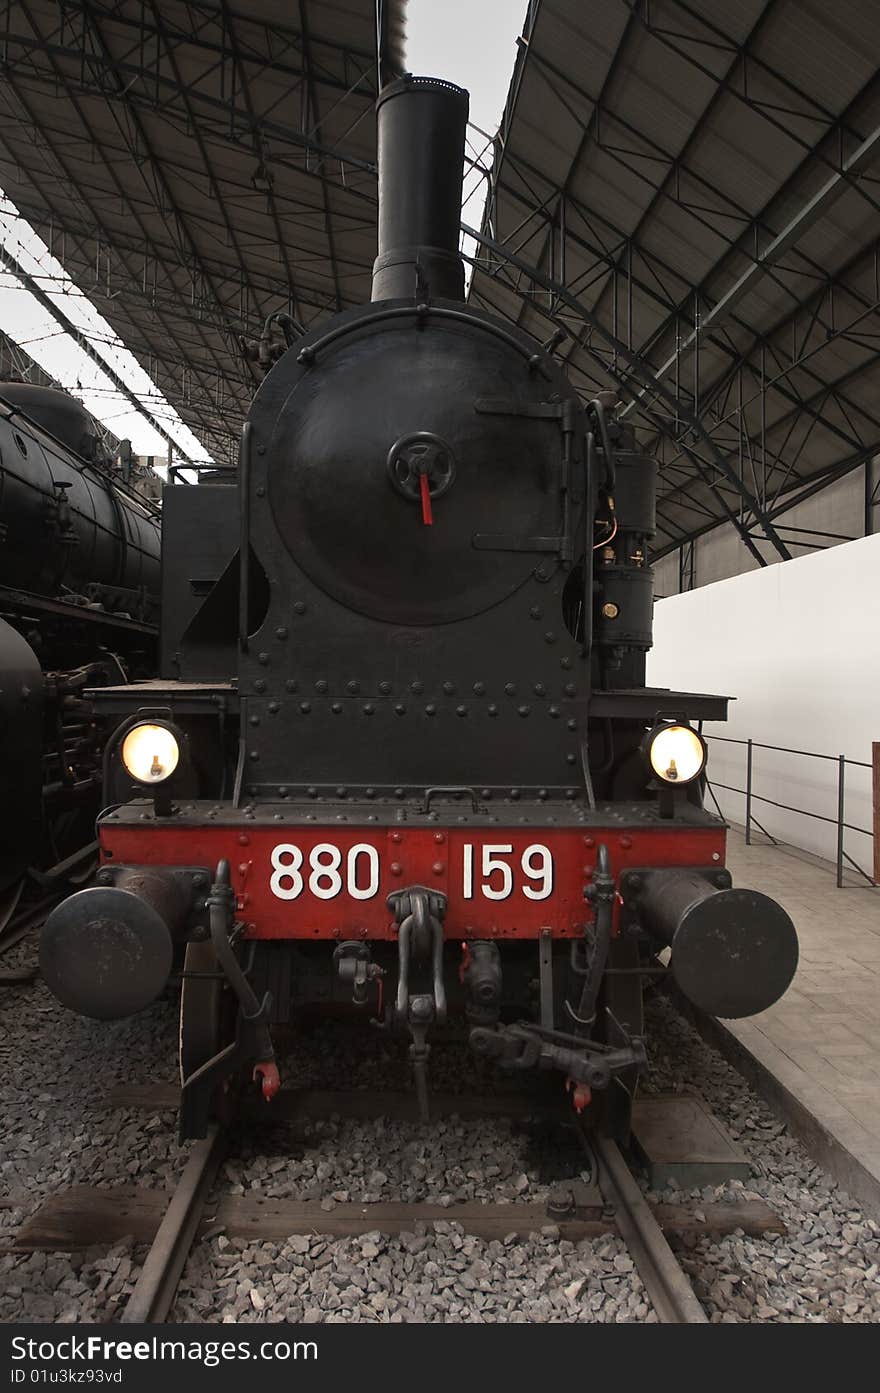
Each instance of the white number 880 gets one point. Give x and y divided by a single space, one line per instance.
325 878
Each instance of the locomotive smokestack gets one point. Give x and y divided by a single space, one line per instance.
422 123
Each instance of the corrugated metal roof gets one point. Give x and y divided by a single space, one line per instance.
649 160
197 165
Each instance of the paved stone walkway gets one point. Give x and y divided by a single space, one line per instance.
822 1040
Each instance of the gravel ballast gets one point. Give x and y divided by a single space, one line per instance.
57 1070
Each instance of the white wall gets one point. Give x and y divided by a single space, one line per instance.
798 645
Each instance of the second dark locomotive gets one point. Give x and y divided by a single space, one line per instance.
79 583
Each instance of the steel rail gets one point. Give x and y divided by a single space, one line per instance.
155 1289
25 918
671 1294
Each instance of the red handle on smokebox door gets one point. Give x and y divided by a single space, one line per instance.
427 513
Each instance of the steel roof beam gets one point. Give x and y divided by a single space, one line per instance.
203 18
96 71
834 124
57 158
676 166
819 114
822 481
586 134
639 368
803 406
84 342
674 493
151 249
263 156
161 184
623 254
315 111
76 56
676 162
797 226
815 298
649 291
630 241
200 143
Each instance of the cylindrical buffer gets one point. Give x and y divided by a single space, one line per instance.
421 132
106 952
734 951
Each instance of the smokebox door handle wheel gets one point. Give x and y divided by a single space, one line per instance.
421 467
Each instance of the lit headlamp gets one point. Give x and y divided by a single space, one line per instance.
150 752
676 753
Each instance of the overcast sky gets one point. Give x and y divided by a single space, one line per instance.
472 43
35 329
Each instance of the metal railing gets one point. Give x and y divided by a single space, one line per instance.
752 797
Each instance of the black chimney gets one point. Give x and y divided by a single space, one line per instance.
422 123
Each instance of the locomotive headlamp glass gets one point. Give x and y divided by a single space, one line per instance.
150 753
677 754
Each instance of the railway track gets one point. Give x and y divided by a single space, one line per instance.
666 1283
153 1296
18 915
18 926
173 1223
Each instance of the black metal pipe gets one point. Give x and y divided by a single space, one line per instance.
244 540
589 529
598 409
421 133
221 913
601 893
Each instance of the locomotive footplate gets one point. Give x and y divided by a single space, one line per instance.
324 870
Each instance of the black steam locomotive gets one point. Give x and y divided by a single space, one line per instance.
79 580
402 755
